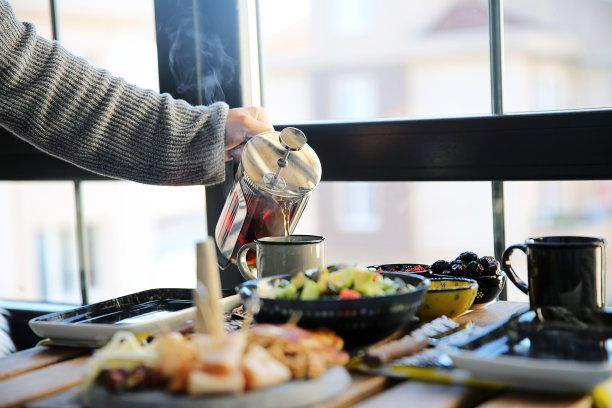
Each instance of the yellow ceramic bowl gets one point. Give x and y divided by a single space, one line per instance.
447 296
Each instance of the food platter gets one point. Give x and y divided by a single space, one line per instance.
293 394
358 321
142 313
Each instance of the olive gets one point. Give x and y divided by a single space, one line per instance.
439 266
468 256
485 260
474 268
492 267
457 261
457 269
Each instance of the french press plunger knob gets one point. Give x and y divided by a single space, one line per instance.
292 140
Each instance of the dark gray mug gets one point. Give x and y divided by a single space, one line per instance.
562 271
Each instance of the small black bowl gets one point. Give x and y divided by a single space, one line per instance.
359 322
412 268
489 287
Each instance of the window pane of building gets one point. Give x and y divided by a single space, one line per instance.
37 12
557 55
116 35
141 237
38 256
399 222
366 59
548 208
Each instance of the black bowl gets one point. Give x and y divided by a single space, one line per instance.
489 287
359 322
413 268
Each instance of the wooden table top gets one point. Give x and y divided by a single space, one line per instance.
47 377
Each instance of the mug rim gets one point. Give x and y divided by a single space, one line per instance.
280 240
566 240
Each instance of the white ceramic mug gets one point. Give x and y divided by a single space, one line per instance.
279 255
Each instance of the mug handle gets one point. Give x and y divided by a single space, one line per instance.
506 262
242 263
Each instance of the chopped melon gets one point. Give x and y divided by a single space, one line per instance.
372 289
298 280
285 290
322 281
340 279
361 277
310 290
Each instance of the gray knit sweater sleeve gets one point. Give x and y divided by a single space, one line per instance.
64 106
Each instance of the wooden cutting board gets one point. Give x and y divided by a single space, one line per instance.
527 400
34 358
425 394
492 313
362 387
20 389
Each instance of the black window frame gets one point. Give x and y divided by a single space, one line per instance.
566 145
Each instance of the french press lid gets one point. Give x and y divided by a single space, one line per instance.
281 163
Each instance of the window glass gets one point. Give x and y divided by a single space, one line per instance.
38 256
399 222
115 35
37 12
339 59
557 54
141 237
548 208
350 17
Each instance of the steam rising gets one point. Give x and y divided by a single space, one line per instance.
216 68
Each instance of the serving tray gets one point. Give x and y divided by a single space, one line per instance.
142 313
547 348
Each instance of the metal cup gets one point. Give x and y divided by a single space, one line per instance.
281 255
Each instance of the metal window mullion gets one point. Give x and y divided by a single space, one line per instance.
496 29
81 240
54 20
80 235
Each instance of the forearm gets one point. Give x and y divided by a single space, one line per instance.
65 107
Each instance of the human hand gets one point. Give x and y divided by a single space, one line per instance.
242 124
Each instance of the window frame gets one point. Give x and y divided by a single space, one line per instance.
566 145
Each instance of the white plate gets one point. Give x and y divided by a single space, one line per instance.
534 373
